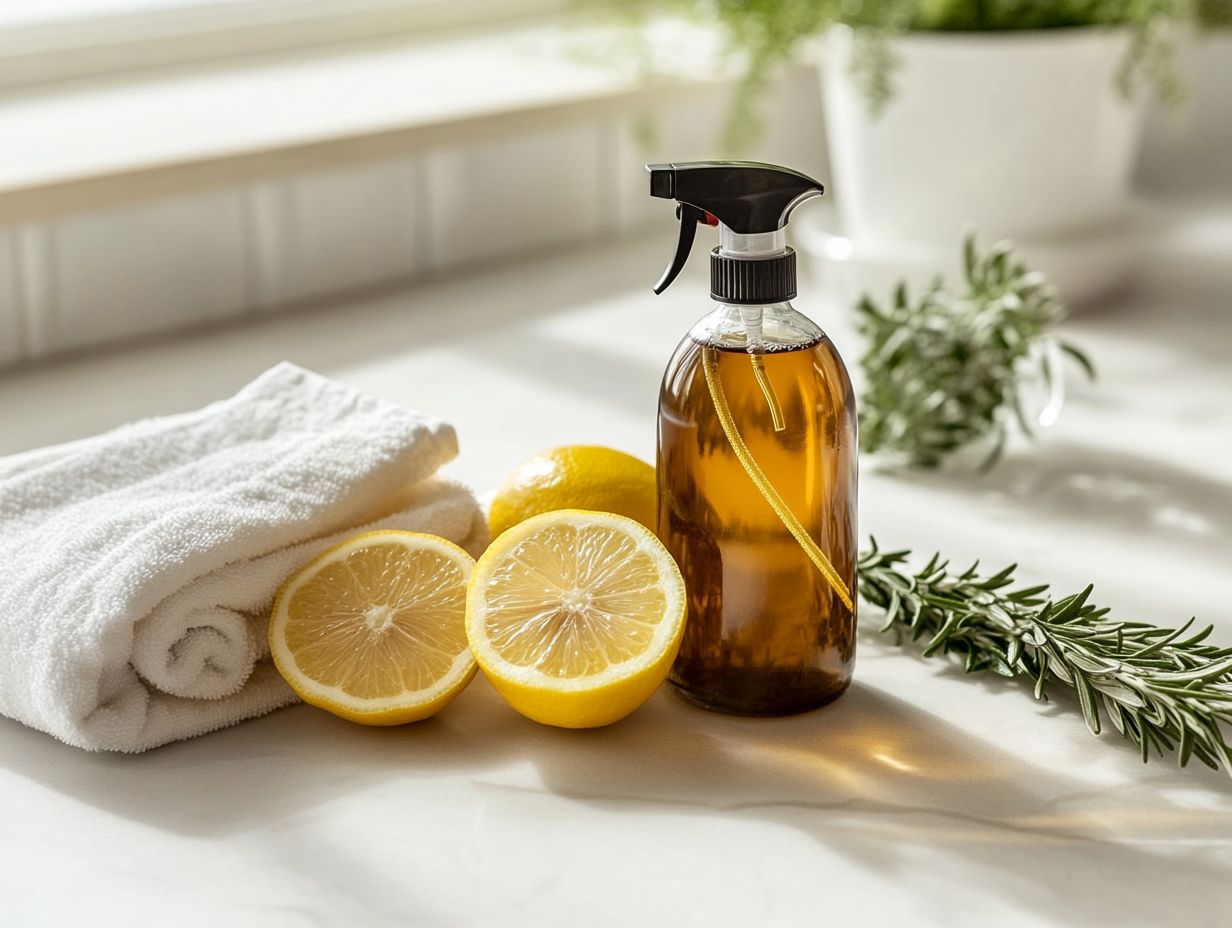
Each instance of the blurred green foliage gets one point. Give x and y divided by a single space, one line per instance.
1215 13
950 368
769 33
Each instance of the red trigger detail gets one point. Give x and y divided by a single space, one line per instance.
711 219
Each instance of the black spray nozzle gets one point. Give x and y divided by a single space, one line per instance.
746 196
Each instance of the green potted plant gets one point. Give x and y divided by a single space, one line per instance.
1020 119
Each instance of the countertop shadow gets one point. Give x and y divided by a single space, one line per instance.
872 778
1070 482
879 781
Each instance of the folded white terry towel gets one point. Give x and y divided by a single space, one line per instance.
137 567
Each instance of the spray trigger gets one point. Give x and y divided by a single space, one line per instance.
690 217
751 203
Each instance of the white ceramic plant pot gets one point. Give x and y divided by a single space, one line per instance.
1020 135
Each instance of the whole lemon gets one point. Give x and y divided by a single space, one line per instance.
576 477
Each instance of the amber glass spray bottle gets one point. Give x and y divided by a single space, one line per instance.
757 458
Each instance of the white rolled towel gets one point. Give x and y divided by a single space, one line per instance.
137 568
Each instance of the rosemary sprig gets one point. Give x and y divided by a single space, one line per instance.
950 369
1163 689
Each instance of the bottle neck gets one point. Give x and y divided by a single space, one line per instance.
758 327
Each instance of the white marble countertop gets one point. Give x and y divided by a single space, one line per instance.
922 797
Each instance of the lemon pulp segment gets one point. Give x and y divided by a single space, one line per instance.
572 601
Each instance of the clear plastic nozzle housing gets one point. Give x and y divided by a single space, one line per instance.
752 245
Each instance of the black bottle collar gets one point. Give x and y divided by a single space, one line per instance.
753 280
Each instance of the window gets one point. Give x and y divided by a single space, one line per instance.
43 12
51 40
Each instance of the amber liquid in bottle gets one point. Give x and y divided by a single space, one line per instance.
766 633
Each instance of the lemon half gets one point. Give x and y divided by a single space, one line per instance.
576 616
373 630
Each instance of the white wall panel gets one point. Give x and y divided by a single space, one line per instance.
11 342
514 195
146 268
324 233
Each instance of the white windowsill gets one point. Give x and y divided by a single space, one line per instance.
86 146
60 40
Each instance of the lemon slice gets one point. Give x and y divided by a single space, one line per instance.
576 616
373 630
